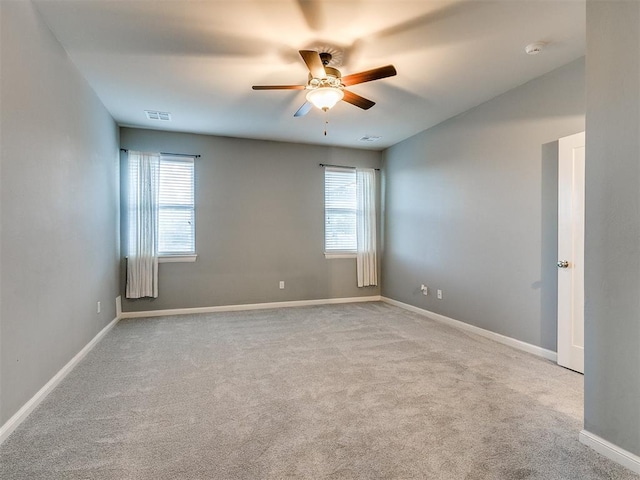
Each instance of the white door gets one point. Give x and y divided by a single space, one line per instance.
571 252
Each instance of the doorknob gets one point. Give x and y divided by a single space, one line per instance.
563 264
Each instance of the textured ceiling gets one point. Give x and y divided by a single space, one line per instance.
199 59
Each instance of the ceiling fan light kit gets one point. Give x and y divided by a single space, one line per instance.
325 92
325 98
326 85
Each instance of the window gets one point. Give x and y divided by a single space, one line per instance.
176 212
340 209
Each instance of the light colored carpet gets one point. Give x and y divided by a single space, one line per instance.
350 391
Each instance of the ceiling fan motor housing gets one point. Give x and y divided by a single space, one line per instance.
332 79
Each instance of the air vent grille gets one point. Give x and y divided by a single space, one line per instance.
370 138
155 115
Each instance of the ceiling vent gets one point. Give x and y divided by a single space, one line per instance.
370 138
155 115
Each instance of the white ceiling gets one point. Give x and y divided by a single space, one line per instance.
199 59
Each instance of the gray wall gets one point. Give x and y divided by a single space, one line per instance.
259 220
471 208
612 269
59 208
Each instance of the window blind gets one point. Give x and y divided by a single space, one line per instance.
176 211
340 208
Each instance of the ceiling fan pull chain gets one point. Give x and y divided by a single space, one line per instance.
326 121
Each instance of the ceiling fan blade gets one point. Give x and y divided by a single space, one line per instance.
369 75
314 64
303 110
279 87
357 100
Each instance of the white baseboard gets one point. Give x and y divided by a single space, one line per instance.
611 451
248 306
28 407
512 342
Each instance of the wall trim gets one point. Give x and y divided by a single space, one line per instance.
249 306
511 342
21 415
611 451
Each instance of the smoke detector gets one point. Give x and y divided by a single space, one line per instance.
534 48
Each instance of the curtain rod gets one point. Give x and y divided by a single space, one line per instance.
170 154
342 166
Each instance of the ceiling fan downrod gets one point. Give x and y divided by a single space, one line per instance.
325 58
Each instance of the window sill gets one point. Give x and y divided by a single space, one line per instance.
177 259
330 256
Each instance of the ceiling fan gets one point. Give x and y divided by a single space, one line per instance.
326 85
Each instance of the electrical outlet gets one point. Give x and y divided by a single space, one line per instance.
439 294
98 308
281 284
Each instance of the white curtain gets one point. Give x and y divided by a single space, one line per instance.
366 256
142 262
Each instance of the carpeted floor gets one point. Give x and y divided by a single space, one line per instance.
350 391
